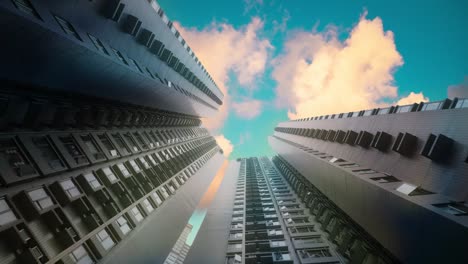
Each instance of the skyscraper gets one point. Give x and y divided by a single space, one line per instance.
101 140
400 173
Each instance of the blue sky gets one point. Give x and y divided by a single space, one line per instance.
425 54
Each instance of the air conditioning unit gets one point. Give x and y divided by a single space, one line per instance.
437 148
145 37
351 137
113 9
340 136
405 144
382 141
157 47
364 139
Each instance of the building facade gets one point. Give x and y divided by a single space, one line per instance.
100 134
400 173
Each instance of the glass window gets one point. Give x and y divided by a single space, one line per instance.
123 225
80 256
93 147
26 6
93 182
135 64
148 205
40 199
157 199
48 153
137 214
108 144
123 170
109 174
6 214
135 166
105 239
70 188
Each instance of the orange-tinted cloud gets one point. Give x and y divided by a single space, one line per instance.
224 49
225 144
319 74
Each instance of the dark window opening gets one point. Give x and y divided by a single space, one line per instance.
48 152
73 149
95 150
108 144
11 153
67 27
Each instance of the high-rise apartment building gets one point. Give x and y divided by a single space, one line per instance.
101 146
400 173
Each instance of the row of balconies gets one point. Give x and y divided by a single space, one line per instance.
33 154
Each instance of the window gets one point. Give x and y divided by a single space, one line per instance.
108 144
40 199
135 167
148 205
80 256
236 236
93 147
73 149
98 44
26 6
157 199
6 214
144 162
15 158
48 153
105 240
120 56
110 175
67 27
121 144
137 214
132 142
234 247
93 182
123 225
123 170
314 253
70 188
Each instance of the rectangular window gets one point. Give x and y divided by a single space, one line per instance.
121 144
105 239
80 256
73 149
6 214
48 153
93 147
123 225
137 214
70 188
135 166
123 170
15 158
40 199
110 175
132 142
98 44
457 209
157 199
148 206
108 144
67 27
93 182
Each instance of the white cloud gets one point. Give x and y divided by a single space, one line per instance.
459 90
412 98
247 109
225 144
319 74
224 49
